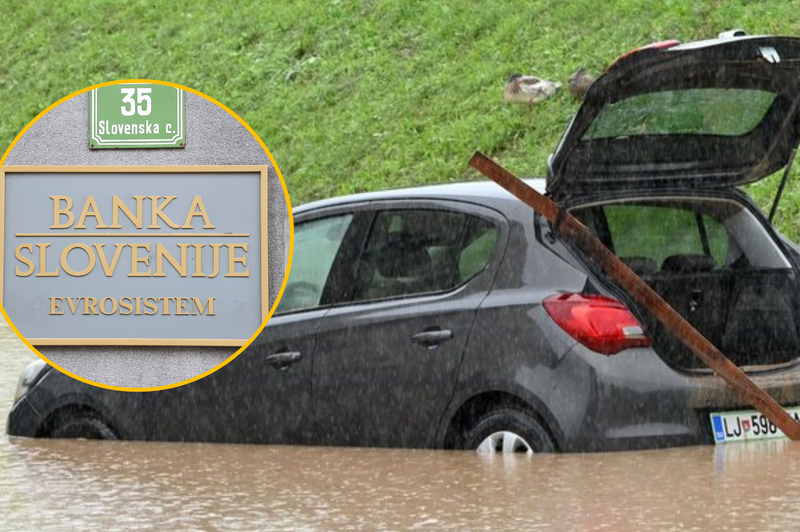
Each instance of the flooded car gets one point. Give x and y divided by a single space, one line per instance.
452 316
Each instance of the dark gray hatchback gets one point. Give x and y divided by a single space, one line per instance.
452 317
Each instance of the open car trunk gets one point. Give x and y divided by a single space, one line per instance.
671 130
715 263
710 114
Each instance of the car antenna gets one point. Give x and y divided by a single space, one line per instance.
785 177
578 234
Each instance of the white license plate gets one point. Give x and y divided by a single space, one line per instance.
747 425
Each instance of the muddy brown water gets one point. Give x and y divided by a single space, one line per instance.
82 485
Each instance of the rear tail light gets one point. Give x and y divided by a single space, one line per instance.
600 323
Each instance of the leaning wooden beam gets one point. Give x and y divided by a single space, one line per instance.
572 230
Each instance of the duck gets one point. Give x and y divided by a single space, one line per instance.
579 83
529 89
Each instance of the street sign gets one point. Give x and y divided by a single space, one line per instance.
134 255
136 115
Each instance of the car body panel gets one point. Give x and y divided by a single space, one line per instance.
587 401
365 349
514 347
55 392
369 374
248 400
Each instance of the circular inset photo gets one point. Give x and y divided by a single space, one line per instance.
146 235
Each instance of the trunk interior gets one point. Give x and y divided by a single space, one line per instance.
715 263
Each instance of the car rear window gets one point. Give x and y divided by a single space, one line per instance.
682 234
659 232
706 111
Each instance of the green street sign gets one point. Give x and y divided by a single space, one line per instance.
136 115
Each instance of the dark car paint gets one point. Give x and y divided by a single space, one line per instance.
55 392
358 352
588 402
368 371
248 400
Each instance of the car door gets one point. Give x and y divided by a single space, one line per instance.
264 395
386 363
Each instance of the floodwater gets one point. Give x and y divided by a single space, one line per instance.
85 485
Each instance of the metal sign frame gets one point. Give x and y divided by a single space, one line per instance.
178 140
263 170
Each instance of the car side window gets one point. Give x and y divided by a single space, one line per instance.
422 250
477 248
316 244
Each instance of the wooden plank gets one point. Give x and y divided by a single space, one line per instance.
572 230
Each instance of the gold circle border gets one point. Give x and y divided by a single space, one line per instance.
285 275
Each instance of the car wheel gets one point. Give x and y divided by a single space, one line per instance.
83 426
508 430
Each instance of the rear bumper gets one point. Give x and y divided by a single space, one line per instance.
636 401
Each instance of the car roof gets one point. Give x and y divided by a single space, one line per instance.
473 191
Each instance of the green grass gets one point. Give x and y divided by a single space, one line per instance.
352 96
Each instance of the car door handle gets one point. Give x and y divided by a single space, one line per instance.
284 360
431 339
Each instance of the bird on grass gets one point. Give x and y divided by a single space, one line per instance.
529 90
579 83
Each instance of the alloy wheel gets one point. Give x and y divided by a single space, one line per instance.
505 442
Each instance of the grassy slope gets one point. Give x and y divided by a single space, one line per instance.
353 96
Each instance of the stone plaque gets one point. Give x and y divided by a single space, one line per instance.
135 255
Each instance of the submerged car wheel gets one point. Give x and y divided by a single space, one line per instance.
84 426
508 430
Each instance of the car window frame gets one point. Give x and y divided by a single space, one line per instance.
469 209
364 213
355 233
697 222
736 195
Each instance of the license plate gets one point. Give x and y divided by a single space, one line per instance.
746 425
